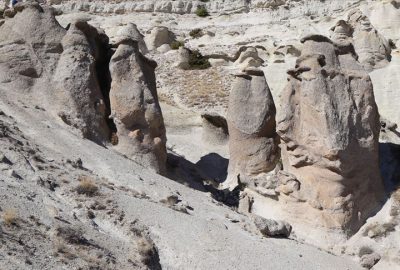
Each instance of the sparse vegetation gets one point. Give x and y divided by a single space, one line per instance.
87 186
202 11
114 138
148 253
176 44
198 61
196 33
9 217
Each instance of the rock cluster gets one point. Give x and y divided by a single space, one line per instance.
372 48
66 72
329 128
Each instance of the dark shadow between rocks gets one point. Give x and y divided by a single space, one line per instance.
214 167
389 154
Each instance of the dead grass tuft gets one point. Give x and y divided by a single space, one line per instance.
10 217
87 186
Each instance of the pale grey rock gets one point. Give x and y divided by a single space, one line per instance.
248 57
135 108
272 228
251 122
39 57
372 49
183 58
131 31
330 137
369 260
78 94
159 35
215 128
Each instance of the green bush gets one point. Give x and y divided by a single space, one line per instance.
176 44
202 11
198 61
196 33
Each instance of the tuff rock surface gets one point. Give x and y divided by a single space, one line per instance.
135 108
253 143
329 126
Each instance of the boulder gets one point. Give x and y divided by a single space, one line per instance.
272 228
253 143
158 36
135 108
328 124
183 58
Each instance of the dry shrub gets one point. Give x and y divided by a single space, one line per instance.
149 253
87 186
114 138
10 217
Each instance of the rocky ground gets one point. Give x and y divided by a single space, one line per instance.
72 198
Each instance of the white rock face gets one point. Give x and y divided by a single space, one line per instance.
386 83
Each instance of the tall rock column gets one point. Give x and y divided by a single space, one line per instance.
135 108
329 128
80 102
253 143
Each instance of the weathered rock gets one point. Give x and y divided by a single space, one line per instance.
372 48
183 58
131 31
329 128
248 57
251 122
369 260
79 98
135 108
215 128
271 228
159 35
56 68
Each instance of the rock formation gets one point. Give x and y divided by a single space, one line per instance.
253 144
248 57
329 128
372 48
77 90
56 67
159 35
131 31
135 108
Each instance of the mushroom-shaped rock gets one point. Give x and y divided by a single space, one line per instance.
131 31
248 57
253 143
135 108
328 123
